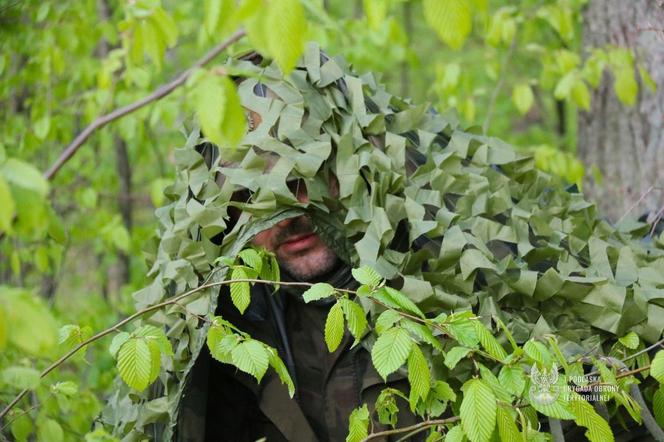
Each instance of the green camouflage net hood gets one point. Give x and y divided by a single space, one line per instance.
485 230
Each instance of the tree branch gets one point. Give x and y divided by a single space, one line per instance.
420 426
158 93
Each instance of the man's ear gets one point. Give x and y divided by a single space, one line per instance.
253 119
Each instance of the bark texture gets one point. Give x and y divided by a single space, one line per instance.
626 143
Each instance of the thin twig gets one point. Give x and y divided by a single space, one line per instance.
421 425
650 189
499 85
158 93
659 343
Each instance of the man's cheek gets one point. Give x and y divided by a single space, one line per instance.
263 239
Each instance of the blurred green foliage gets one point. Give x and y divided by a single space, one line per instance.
514 68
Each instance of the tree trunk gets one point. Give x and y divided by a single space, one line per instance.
626 143
125 204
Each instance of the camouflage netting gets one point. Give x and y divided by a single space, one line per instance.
486 230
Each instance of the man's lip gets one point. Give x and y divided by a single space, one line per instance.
298 242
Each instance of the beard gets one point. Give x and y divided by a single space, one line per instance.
310 264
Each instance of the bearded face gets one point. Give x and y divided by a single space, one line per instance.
299 250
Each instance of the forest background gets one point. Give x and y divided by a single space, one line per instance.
576 83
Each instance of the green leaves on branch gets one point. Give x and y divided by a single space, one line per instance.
139 355
229 346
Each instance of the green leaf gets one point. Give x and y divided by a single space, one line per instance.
455 434
358 425
157 335
355 318
367 276
240 291
513 379
423 333
453 356
117 342
287 27
318 291
218 109
451 19
580 94
658 406
386 407
625 86
221 343
630 340
586 416
334 327
49 430
25 175
492 381
538 352
375 10
507 429
280 368
21 378
386 320
489 342
42 127
21 426
657 367
395 299
391 350
155 360
30 325
135 363
522 97
251 357
558 409
564 86
251 258
478 411
7 207
166 27
66 388
463 330
419 376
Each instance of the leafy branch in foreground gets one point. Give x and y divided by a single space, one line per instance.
462 381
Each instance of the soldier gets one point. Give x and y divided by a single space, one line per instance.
335 173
